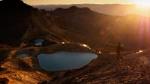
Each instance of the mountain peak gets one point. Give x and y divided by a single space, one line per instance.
73 9
13 4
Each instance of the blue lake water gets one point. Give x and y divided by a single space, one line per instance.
38 42
60 61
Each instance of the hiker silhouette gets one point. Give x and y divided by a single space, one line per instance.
119 49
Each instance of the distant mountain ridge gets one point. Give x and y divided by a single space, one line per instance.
96 29
109 9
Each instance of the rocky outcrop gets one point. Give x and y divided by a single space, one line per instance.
21 70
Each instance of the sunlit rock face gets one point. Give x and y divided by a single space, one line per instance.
15 73
21 69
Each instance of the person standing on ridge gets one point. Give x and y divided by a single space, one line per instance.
119 49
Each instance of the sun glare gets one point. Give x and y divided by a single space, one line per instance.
142 3
142 7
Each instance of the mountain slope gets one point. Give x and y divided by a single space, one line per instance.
97 30
22 23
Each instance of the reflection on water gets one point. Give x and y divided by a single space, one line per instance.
65 60
38 42
22 55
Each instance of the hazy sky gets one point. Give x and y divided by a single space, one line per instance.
35 2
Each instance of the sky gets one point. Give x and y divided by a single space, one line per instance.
39 2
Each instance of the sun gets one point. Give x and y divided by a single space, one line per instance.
142 7
142 3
